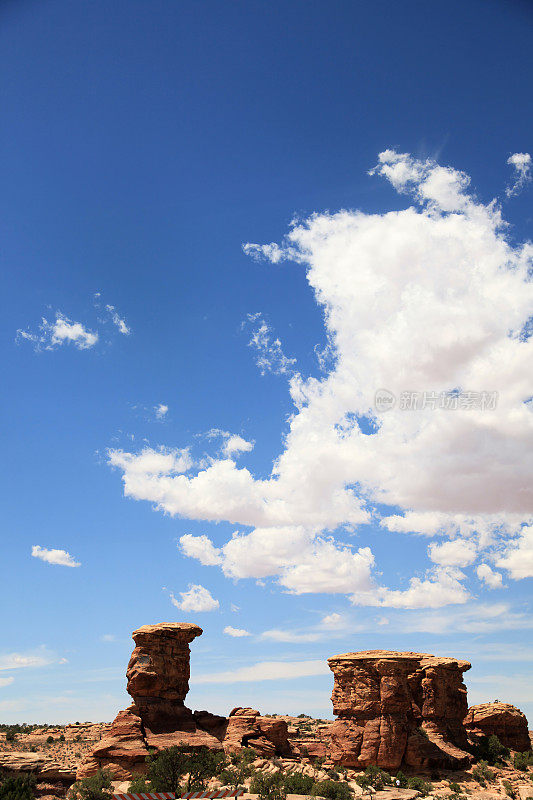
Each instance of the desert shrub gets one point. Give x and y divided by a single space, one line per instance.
97 787
333 790
62 737
167 768
139 785
481 773
268 787
454 787
490 749
401 778
10 736
421 732
509 791
49 740
418 783
298 783
523 760
375 777
19 788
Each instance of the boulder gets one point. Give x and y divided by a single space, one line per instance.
398 709
503 720
247 728
45 769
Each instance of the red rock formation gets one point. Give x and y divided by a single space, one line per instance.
158 681
247 728
505 721
398 709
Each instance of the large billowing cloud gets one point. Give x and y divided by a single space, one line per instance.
427 306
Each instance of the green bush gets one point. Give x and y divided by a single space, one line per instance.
10 736
481 773
454 787
19 788
167 768
523 760
50 740
97 787
62 737
375 777
422 786
333 790
298 783
268 787
490 749
139 785
401 778
509 791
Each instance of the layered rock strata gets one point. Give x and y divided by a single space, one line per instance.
398 709
503 720
158 681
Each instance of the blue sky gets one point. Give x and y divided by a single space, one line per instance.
183 388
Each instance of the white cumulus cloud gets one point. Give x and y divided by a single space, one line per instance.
455 553
491 578
236 633
196 598
52 556
518 557
50 335
430 301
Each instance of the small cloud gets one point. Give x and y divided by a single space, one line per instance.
233 443
160 411
6 681
491 578
236 444
234 607
59 557
108 637
197 598
332 621
382 621
521 163
277 635
118 321
270 355
51 335
237 633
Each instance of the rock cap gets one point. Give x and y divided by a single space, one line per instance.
181 630
424 659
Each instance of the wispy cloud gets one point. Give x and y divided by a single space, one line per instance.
270 356
39 657
521 163
266 671
118 321
6 681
